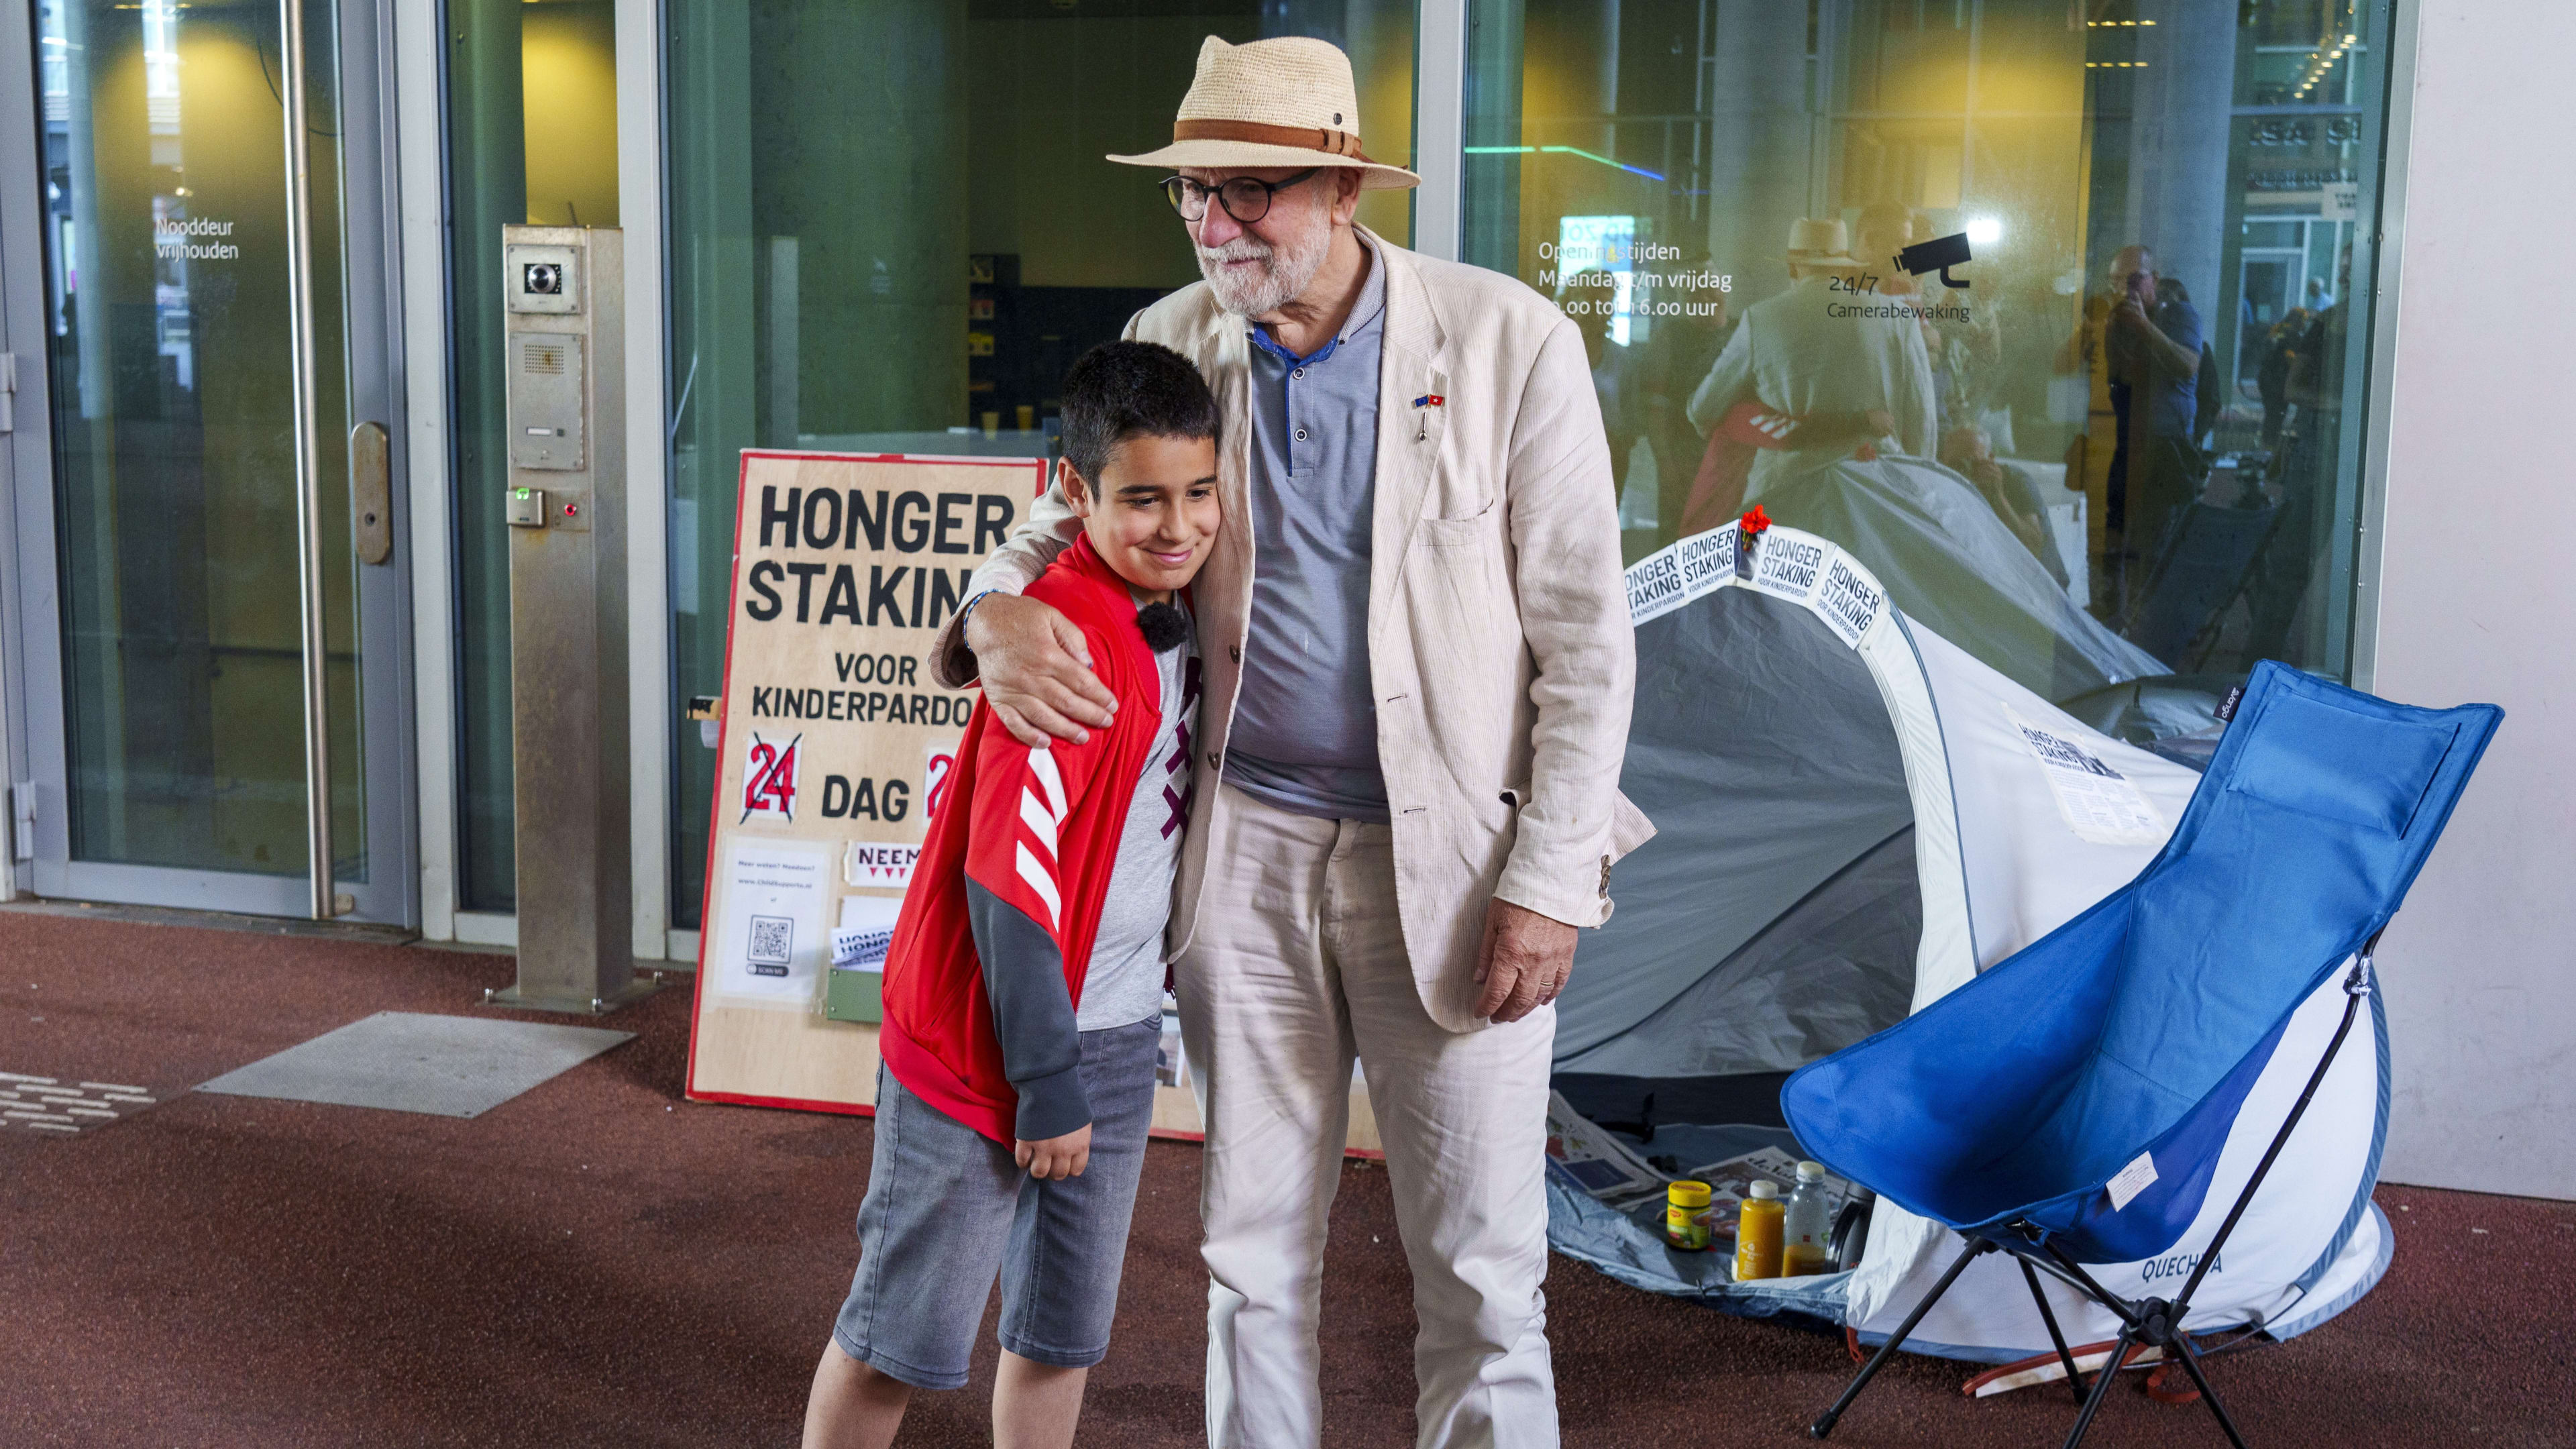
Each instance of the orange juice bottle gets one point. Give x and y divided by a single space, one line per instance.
1757 1234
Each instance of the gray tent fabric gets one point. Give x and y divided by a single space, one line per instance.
1832 969
1952 566
1760 747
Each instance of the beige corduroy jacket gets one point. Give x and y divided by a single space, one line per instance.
1499 643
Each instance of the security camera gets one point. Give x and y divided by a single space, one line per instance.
1937 255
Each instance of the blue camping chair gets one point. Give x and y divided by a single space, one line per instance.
2059 1107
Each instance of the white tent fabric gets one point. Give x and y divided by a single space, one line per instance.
1800 741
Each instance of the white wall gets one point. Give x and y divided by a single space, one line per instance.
2477 601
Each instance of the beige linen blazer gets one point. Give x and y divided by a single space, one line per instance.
1500 650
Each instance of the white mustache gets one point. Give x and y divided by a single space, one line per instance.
1241 249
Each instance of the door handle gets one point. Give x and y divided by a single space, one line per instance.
371 491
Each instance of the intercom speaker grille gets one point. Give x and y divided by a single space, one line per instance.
543 357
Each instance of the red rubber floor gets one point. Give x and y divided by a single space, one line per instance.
601 1262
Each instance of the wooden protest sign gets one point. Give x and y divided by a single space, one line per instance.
834 752
834 748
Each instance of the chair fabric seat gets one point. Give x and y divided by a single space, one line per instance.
2086 1085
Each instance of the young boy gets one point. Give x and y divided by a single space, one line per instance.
1024 987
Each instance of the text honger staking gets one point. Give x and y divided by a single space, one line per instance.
904 596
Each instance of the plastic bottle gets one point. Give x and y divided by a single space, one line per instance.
1757 1234
1686 1216
1806 1233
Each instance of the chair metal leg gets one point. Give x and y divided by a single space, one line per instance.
2191 1365
1824 1424
2101 1388
2356 985
2074 1378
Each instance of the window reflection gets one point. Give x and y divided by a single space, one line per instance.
916 272
2045 310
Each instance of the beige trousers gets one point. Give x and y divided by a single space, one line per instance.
1298 964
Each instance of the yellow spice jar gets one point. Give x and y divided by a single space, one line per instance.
1686 1216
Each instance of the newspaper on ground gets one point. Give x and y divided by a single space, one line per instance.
1598 1162
1593 1160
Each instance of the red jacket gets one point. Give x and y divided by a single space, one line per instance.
985 972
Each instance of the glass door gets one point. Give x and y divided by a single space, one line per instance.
213 498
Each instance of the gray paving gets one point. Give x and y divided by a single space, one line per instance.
403 1061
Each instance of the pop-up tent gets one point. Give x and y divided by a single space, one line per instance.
1926 534
1855 816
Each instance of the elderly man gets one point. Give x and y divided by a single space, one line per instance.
1417 692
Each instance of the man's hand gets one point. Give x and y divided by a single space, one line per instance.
1036 672
1056 1157
1523 962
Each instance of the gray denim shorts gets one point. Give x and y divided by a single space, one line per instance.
947 1209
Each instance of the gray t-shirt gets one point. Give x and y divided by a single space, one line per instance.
1124 984
1304 736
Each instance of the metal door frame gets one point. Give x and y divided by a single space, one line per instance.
31 647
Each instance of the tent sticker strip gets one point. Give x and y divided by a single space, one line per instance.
1787 564
2098 802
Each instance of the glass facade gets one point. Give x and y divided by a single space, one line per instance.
2105 266
531 137
167 299
891 229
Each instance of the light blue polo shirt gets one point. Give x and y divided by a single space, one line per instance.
1304 736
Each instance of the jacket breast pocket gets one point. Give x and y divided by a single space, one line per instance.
1476 527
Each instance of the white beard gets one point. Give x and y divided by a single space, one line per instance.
1284 274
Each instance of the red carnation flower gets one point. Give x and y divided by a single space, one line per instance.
1753 523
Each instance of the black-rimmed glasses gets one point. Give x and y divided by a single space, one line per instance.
1245 199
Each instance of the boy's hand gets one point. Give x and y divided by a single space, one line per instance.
1056 1157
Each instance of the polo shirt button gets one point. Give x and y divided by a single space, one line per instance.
1301 435
1300 372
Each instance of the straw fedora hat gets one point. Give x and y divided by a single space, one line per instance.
1285 102
1821 243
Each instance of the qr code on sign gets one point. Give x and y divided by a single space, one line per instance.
773 944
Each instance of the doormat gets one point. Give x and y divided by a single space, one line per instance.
404 1061
67 1107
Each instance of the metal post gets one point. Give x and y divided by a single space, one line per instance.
564 330
308 469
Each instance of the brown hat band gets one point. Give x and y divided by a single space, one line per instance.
1304 138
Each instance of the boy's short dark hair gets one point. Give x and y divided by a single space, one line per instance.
1122 390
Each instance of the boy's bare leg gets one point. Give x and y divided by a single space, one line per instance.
1035 1405
854 1406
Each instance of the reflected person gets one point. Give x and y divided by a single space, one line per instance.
2151 348
1818 350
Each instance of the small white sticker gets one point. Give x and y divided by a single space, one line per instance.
2133 1179
1849 600
1788 565
2098 803
879 864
